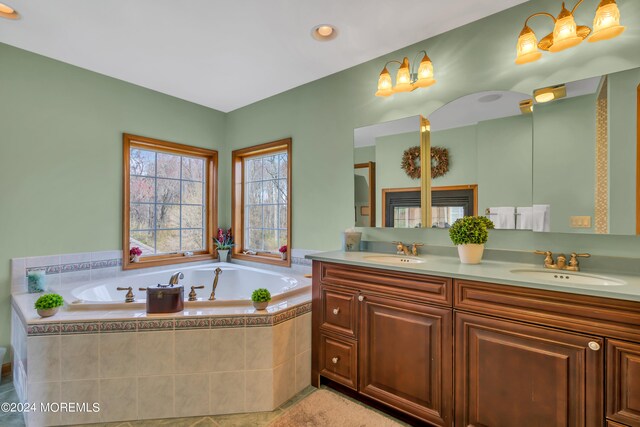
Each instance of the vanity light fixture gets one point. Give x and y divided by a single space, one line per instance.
548 94
8 12
407 79
324 32
566 33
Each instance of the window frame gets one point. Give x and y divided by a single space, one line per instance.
237 200
211 202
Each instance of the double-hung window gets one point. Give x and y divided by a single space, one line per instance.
262 202
169 202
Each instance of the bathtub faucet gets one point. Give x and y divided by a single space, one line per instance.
215 284
175 277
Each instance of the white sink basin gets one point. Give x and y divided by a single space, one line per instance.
569 278
394 259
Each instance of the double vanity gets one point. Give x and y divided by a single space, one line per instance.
497 344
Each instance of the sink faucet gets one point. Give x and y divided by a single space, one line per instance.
561 263
175 278
401 248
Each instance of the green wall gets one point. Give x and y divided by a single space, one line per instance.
320 117
462 144
61 156
564 160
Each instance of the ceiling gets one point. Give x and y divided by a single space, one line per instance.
228 54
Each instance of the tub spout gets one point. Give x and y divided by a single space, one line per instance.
215 284
175 278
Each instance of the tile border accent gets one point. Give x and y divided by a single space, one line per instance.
77 266
149 325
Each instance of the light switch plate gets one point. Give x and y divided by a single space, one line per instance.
580 222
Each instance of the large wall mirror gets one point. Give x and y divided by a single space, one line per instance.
386 196
585 162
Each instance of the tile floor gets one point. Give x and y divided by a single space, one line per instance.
258 419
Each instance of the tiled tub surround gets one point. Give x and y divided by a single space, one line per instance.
163 367
209 359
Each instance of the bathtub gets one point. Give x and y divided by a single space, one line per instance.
235 285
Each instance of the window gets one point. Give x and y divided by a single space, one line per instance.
169 201
262 202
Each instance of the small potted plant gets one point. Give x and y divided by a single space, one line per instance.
47 305
283 252
470 234
134 254
261 298
224 242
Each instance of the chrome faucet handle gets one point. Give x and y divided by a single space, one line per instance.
192 295
129 297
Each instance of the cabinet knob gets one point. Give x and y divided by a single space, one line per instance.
335 360
336 311
594 346
361 298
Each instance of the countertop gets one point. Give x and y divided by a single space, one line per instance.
493 272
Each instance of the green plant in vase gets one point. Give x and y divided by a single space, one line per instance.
470 234
261 298
47 305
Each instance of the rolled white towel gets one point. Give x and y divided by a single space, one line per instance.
524 219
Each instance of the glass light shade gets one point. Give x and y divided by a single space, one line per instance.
403 78
545 97
606 24
6 9
565 33
425 73
385 84
527 47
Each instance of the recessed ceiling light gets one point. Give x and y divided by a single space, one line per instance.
324 32
8 12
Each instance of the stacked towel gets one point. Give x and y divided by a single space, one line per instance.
525 218
504 218
542 218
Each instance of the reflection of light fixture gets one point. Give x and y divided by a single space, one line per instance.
566 33
406 79
526 106
551 93
324 32
8 12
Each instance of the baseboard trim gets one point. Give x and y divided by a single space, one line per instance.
6 370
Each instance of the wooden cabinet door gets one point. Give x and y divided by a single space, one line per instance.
623 382
406 357
511 374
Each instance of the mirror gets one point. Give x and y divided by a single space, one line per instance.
385 195
488 139
586 154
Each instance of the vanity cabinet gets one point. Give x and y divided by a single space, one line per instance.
510 355
623 382
513 374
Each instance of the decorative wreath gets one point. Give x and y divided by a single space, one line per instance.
439 162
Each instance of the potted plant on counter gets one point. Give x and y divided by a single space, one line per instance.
47 305
224 242
261 298
469 234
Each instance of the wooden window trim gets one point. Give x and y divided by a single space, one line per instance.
211 171
237 200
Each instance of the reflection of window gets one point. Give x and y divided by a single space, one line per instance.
407 217
261 207
169 205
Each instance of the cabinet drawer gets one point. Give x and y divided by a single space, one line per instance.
338 360
614 424
339 311
623 382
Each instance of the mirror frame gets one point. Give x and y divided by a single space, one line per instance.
425 171
372 189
